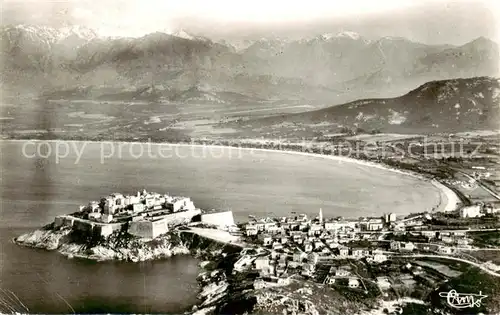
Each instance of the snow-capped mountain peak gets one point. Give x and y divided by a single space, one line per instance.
349 34
186 35
183 34
79 31
344 34
42 34
50 36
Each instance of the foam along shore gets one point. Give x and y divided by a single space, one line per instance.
448 199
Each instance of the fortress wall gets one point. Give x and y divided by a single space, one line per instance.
148 229
160 227
69 222
108 229
220 219
58 221
62 221
141 229
178 218
105 230
83 226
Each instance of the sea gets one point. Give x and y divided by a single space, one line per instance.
40 180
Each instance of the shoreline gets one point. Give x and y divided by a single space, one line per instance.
448 199
134 250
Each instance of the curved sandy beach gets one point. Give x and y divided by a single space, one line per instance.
448 200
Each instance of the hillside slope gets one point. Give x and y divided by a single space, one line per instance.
446 105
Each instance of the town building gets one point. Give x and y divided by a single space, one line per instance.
308 269
341 271
407 246
343 251
251 230
379 258
266 239
176 204
395 245
473 211
389 217
277 246
383 283
262 262
308 247
313 258
299 256
445 250
372 224
353 283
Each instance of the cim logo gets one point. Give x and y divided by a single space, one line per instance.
463 300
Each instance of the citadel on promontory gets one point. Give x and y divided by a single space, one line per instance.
145 215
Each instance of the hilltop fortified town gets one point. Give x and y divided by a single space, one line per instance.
145 215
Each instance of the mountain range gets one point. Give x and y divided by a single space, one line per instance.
333 67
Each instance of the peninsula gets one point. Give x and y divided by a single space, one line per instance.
123 227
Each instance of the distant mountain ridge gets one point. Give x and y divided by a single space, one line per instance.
329 66
439 106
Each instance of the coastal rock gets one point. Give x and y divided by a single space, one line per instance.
213 289
102 253
118 246
203 264
205 311
284 304
74 250
45 239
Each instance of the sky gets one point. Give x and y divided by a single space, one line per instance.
429 21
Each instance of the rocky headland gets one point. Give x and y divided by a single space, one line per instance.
119 245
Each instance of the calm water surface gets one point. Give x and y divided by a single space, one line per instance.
35 189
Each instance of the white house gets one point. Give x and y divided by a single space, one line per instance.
277 246
407 246
353 283
251 229
344 251
470 211
261 263
445 250
342 271
308 269
308 247
378 258
313 258
299 256
390 217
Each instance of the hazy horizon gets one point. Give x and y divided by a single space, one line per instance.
430 22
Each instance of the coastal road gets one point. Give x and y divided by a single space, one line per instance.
480 266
